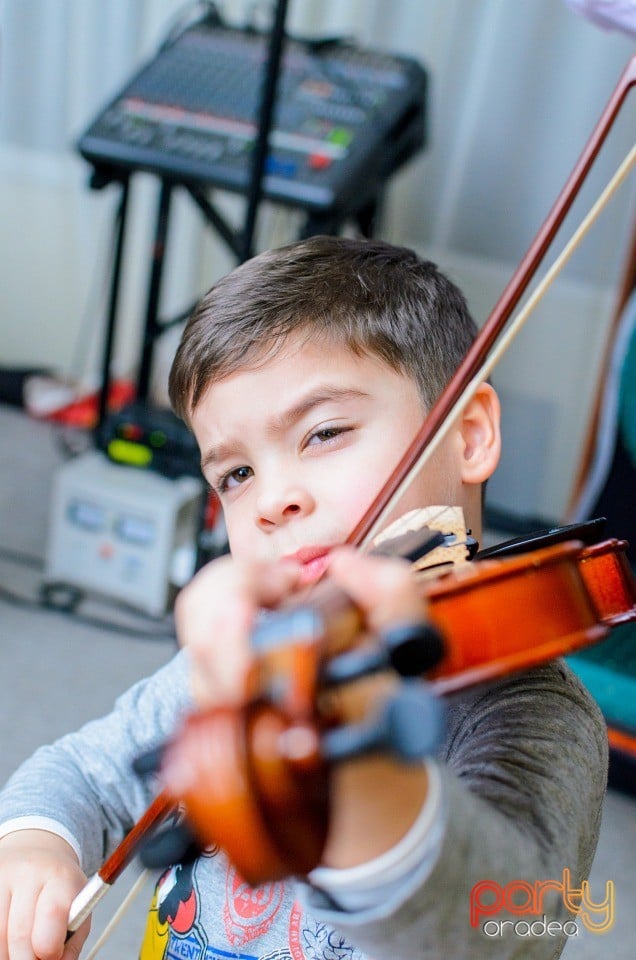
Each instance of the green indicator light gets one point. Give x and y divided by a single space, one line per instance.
341 136
134 454
157 438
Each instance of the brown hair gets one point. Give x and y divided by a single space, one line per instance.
367 295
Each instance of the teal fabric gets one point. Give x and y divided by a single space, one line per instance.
608 670
627 399
614 692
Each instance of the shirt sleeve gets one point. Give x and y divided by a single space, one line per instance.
83 785
371 883
41 823
521 794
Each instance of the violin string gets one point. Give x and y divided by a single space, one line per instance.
507 337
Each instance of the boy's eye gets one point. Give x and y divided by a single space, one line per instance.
325 435
234 478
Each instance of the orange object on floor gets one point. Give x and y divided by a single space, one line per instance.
83 412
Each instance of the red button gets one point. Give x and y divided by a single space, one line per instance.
318 161
130 431
106 551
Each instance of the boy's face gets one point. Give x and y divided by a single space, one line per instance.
298 448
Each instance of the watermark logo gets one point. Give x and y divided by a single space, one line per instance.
519 898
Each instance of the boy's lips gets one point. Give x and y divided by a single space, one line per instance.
313 563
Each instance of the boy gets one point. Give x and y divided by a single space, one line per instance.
304 375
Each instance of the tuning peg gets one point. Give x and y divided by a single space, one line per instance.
413 648
170 844
409 648
410 726
355 664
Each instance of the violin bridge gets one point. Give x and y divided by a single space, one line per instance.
449 521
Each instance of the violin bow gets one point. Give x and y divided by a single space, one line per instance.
100 883
454 395
477 364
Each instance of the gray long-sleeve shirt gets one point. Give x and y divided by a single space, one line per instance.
522 774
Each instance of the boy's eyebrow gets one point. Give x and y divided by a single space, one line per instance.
288 418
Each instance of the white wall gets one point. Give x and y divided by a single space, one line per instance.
515 90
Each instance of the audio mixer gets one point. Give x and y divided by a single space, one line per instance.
345 118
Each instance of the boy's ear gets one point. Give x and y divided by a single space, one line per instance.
480 435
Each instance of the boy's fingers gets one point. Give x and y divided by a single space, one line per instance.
383 587
214 616
19 948
19 928
5 900
74 946
50 923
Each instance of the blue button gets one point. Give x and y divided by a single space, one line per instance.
282 168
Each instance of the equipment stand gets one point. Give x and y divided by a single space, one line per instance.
364 210
239 243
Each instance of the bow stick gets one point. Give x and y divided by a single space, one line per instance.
100 883
501 344
481 357
440 415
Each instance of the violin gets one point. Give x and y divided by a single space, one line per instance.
259 782
265 768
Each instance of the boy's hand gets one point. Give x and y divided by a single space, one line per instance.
375 800
215 613
39 877
214 616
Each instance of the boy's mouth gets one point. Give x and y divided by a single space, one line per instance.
313 562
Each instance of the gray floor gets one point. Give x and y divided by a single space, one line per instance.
57 672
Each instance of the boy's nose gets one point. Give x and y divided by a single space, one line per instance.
274 509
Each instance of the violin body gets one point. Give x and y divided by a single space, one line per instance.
257 781
506 616
270 815
610 581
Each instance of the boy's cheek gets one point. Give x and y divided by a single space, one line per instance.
240 529
235 543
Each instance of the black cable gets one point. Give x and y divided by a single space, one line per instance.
197 11
66 605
